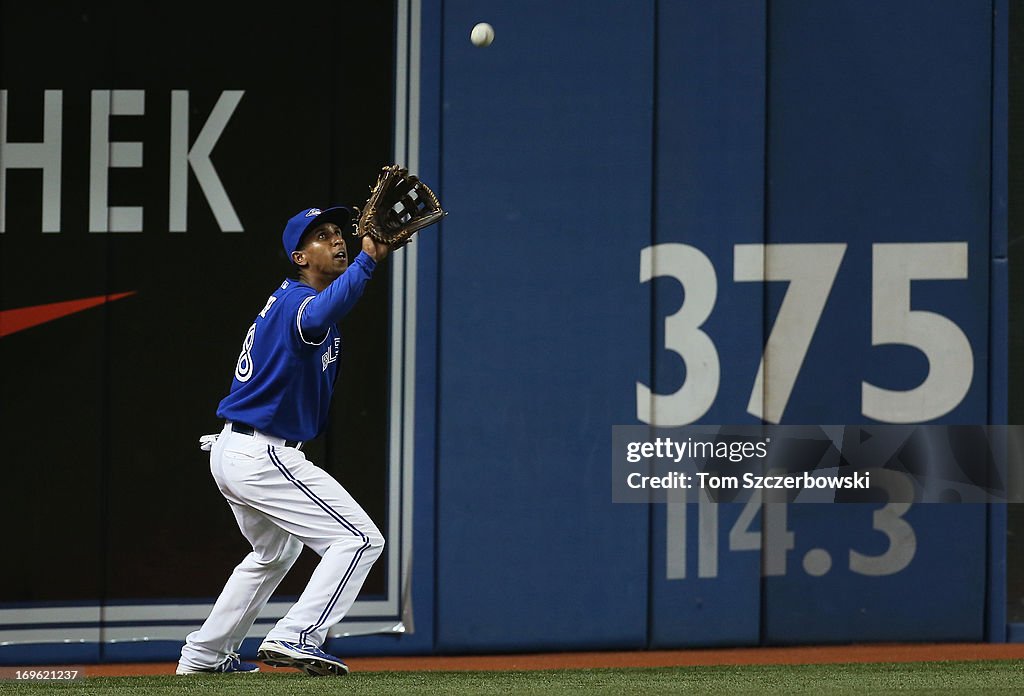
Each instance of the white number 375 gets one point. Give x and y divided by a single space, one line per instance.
811 270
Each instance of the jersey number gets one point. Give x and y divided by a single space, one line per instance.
243 370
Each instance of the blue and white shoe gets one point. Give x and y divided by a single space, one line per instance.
231 665
311 660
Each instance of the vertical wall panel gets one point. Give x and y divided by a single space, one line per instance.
1000 387
708 195
544 327
879 126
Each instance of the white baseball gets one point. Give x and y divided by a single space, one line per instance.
482 34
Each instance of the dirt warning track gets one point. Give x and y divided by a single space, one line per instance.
835 654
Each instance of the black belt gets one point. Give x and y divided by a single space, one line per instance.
249 430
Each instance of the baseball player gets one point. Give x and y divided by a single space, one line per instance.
279 398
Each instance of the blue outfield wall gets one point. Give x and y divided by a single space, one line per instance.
678 211
718 213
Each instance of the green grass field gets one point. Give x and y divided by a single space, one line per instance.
918 678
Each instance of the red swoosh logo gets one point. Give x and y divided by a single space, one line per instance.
14 320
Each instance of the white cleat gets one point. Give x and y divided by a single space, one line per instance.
232 665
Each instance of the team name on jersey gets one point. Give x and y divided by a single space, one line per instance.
331 355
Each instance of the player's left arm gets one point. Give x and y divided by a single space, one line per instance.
378 250
338 298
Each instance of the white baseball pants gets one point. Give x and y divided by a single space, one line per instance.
281 501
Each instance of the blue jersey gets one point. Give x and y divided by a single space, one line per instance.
285 374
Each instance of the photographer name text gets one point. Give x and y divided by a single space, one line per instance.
730 453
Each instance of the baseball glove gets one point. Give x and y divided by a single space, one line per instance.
400 205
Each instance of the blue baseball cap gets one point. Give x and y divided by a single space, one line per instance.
308 219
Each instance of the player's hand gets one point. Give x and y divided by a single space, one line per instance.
374 249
